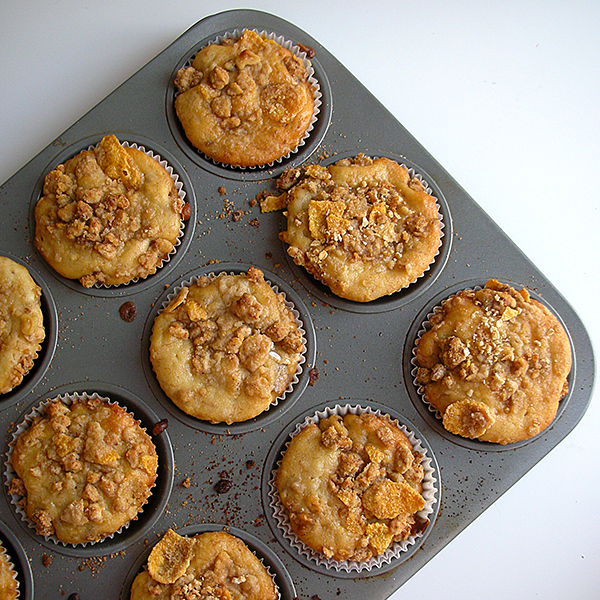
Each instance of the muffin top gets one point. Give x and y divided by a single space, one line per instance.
351 486
246 101
226 347
494 363
84 469
212 565
108 215
21 323
363 227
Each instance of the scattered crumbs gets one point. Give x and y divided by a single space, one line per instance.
236 215
313 375
46 560
269 255
250 464
186 482
222 190
255 222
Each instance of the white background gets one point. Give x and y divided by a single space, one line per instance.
505 94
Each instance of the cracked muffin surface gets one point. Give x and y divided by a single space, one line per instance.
83 470
226 347
494 363
246 101
108 215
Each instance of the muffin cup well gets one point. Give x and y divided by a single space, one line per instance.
397 550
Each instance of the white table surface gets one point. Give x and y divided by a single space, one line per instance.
505 95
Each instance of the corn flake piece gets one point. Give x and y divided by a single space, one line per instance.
273 203
170 558
376 455
387 499
319 211
195 310
509 313
318 172
468 418
379 537
178 300
115 161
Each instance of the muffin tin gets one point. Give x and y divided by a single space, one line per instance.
358 351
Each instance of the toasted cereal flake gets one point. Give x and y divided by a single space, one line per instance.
115 161
170 558
379 536
273 203
387 499
319 212
374 453
469 418
178 300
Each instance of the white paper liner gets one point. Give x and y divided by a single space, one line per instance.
12 568
180 192
299 368
9 473
396 549
312 80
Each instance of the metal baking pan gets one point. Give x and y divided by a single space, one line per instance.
362 352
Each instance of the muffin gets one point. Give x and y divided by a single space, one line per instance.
83 469
364 227
226 347
108 215
21 323
352 486
209 565
9 587
245 101
494 364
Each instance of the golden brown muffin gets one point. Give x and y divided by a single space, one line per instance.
9 587
351 486
245 102
212 566
21 323
363 227
84 469
226 347
494 363
108 215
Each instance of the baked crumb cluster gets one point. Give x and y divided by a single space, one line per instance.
21 323
83 470
207 566
226 347
494 363
245 101
108 215
352 486
363 227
